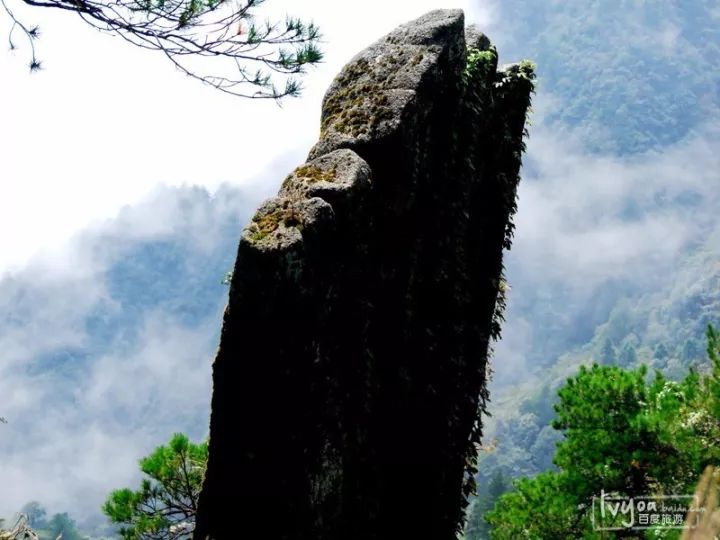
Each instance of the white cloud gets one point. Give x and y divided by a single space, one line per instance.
586 219
69 454
573 206
77 428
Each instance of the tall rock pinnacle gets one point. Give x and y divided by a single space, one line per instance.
351 371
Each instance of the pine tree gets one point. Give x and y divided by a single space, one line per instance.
627 356
214 41
608 356
477 527
165 506
623 435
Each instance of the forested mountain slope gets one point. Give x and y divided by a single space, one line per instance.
629 76
617 252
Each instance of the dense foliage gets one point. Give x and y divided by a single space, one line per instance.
624 433
631 76
165 506
477 526
663 329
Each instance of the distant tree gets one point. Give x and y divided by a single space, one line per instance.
477 528
627 356
543 449
607 353
691 351
541 405
165 506
62 524
214 41
661 352
36 515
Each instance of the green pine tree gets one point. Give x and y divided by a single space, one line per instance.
607 356
165 506
627 356
624 435
477 528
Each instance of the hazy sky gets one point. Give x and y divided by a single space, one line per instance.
104 122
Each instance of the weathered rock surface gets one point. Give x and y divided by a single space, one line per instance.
353 356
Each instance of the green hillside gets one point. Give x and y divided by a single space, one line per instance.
628 76
636 86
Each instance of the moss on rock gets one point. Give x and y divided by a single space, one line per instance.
312 174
